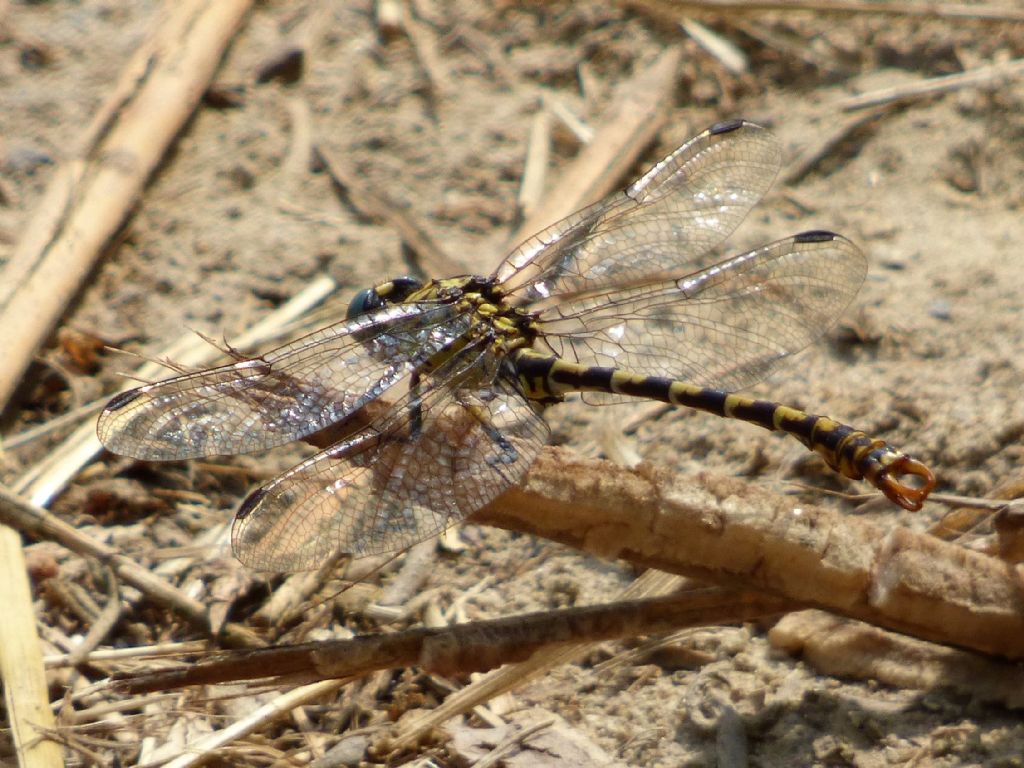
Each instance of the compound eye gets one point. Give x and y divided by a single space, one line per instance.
367 300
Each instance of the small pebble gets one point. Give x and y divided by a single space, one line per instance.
25 160
940 309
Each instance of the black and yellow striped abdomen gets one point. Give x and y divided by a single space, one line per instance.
849 451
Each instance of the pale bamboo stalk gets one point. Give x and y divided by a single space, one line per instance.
26 693
89 199
581 131
728 55
535 167
157 650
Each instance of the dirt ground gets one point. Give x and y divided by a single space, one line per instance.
927 358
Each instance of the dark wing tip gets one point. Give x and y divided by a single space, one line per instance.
727 126
815 236
251 502
121 399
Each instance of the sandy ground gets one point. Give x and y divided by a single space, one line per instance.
928 357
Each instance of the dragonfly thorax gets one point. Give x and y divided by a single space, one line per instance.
506 327
493 316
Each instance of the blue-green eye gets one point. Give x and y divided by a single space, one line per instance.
371 299
365 301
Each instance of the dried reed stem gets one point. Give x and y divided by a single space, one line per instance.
726 531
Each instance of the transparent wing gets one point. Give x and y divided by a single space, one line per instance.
726 326
658 227
288 393
451 444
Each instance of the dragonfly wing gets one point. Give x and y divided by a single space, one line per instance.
447 448
288 393
726 326
660 225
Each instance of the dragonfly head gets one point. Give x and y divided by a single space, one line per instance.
371 299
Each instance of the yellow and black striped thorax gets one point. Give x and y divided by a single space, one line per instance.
507 327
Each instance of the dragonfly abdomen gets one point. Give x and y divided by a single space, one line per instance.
849 451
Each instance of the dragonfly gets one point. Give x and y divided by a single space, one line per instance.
427 400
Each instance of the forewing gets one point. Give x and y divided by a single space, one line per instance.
659 226
726 326
288 393
446 449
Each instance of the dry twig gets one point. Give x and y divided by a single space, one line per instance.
725 531
424 41
46 480
464 648
632 122
728 55
928 10
35 521
813 156
201 750
716 528
375 206
988 75
844 648
652 584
